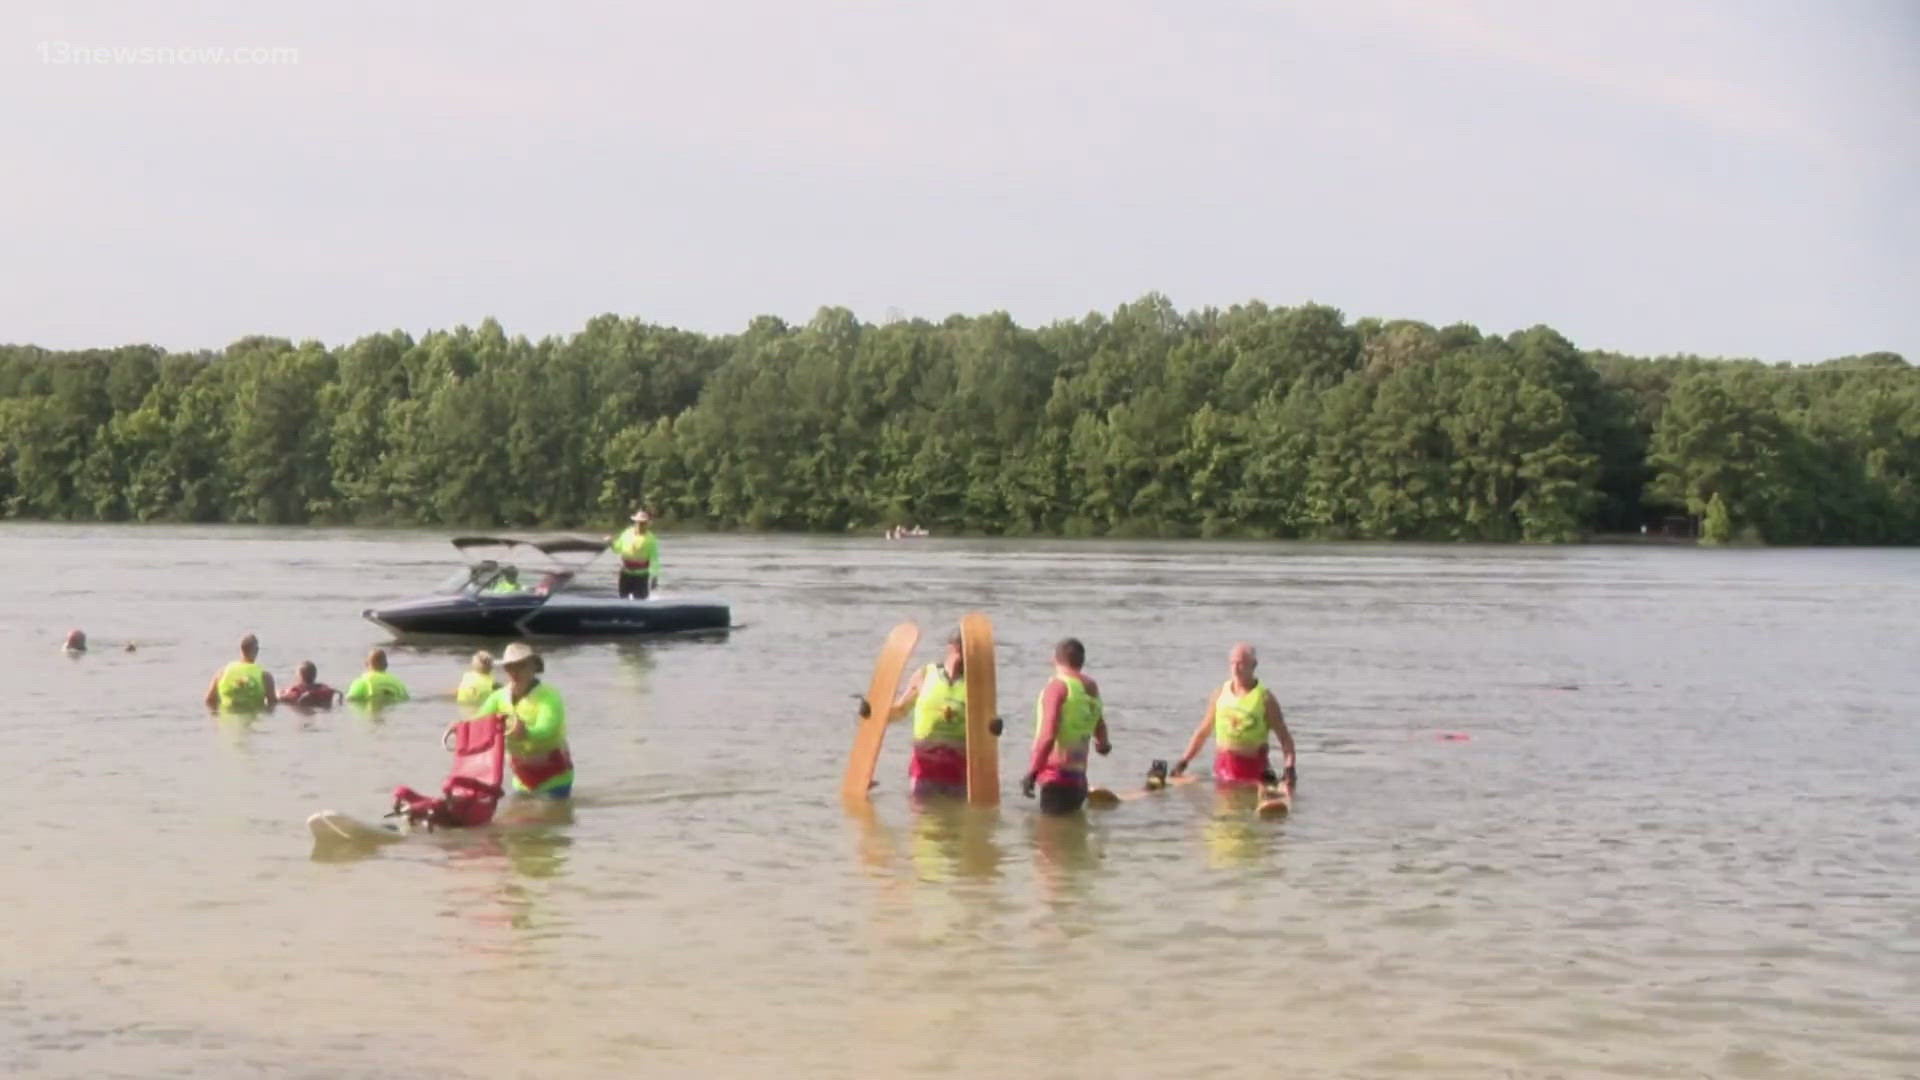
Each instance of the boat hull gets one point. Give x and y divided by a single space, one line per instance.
562 616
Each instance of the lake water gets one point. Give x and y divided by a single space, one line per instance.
1678 840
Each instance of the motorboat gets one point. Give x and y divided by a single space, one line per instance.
498 598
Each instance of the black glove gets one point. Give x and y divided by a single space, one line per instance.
1292 778
866 710
1027 782
1180 767
996 725
1103 749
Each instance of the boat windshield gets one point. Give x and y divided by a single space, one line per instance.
493 578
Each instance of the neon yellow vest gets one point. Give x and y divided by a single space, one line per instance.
474 688
377 688
242 686
1080 714
940 713
633 548
1240 721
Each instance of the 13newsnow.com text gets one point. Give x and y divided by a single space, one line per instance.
66 52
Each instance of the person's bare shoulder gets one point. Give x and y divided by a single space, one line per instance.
1093 688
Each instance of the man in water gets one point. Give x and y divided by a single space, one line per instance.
1239 716
937 697
539 760
242 686
1069 714
308 691
376 686
639 552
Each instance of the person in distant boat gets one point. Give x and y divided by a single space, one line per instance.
242 686
377 686
477 684
538 758
508 581
1240 715
76 641
639 551
308 691
1069 714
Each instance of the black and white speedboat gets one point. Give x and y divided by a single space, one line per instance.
494 598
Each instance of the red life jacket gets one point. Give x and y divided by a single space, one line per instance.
311 695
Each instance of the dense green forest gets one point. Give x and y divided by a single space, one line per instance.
1250 421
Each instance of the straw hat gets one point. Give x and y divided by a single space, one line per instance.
518 652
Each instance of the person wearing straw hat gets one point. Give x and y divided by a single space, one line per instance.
477 684
639 551
538 759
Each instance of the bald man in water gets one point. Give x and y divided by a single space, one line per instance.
1239 716
242 686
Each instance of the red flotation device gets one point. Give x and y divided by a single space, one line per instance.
309 695
472 790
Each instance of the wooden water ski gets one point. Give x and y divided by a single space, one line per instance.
334 830
1157 780
983 747
873 727
1274 800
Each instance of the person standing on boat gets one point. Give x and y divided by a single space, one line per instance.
1068 716
639 552
377 686
1239 716
538 758
242 686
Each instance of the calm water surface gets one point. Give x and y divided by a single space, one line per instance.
1679 840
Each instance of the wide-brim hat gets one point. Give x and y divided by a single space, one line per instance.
517 652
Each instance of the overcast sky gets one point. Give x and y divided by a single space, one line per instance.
1737 178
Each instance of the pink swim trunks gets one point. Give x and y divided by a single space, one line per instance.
944 765
1232 768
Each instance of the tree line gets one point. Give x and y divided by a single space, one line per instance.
1250 421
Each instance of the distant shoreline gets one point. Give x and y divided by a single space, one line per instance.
668 530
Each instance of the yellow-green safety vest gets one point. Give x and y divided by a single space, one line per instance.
243 686
474 688
1080 714
940 712
1240 720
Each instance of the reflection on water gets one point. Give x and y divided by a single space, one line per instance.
1235 835
1577 883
